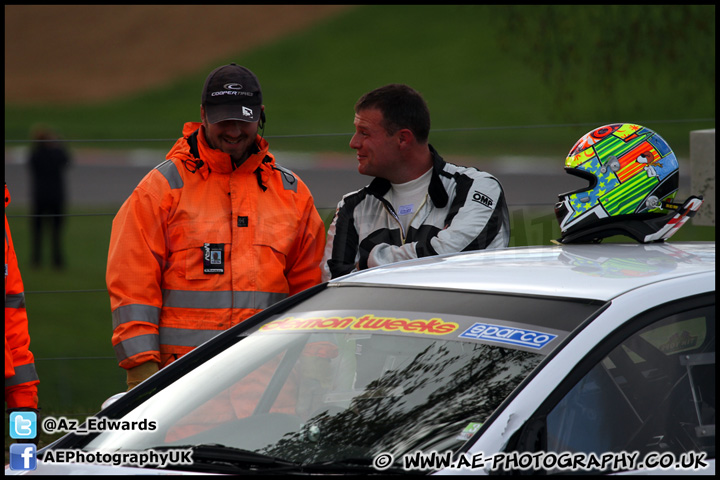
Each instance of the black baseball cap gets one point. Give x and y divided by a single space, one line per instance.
232 92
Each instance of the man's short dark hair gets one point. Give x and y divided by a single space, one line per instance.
402 107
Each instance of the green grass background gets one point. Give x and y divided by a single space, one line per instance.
478 66
488 73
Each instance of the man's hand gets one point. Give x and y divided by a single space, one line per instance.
140 373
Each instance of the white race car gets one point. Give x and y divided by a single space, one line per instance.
577 358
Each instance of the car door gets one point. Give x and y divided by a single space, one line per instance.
644 398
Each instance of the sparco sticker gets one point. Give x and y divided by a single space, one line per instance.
511 335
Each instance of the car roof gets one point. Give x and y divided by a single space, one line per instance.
591 271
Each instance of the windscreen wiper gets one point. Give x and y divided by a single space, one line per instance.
360 465
223 459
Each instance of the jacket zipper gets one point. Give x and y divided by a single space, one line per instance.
390 209
418 210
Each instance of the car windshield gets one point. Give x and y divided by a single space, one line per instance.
348 374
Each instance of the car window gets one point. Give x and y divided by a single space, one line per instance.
312 397
355 372
654 392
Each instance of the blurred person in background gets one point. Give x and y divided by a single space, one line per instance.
48 163
211 236
417 205
21 379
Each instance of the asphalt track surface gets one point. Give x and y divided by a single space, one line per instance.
107 179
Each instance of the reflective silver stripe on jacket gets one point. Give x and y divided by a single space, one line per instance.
185 337
180 337
15 300
221 299
23 373
171 174
135 313
140 344
288 178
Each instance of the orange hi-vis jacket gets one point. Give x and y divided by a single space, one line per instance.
21 379
199 247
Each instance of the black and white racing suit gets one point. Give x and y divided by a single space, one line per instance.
464 209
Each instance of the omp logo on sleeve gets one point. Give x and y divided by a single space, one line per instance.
510 335
482 199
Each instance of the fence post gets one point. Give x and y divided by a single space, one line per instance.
702 179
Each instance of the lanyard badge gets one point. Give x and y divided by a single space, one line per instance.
213 258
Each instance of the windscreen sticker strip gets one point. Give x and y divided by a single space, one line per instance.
365 323
450 327
514 336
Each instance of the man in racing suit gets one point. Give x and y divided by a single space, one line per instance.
21 378
211 236
418 204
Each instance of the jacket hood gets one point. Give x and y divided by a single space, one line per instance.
193 150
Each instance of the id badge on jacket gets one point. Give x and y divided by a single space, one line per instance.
213 258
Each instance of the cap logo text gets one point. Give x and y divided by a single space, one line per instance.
231 92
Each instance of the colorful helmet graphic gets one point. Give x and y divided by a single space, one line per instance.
634 176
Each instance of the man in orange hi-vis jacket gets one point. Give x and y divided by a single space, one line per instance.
21 379
211 236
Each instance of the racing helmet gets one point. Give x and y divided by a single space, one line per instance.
633 178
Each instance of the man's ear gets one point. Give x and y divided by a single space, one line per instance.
202 114
405 138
